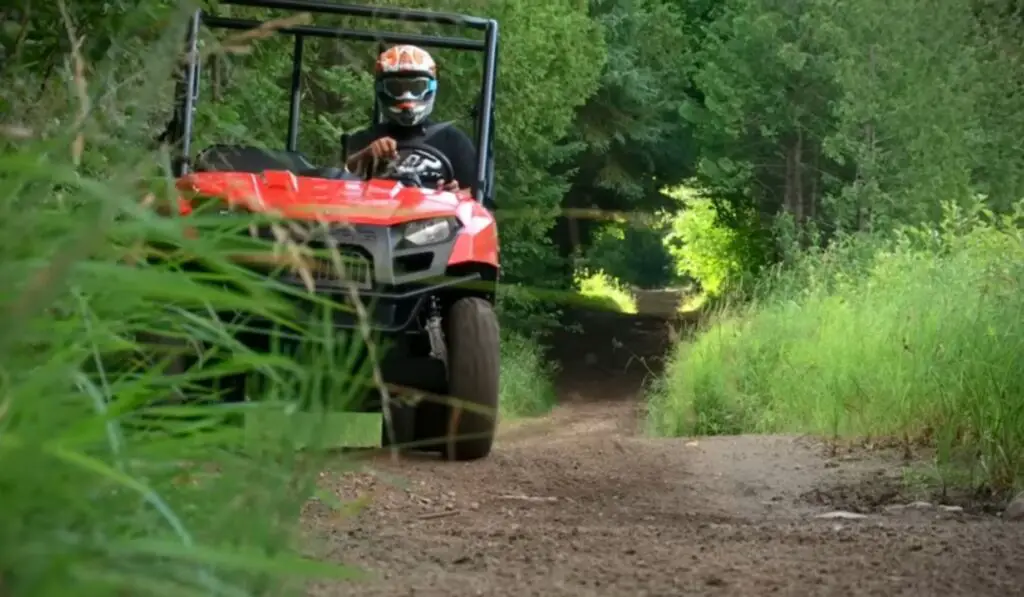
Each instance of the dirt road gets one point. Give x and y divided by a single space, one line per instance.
580 503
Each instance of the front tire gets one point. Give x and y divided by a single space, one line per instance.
474 365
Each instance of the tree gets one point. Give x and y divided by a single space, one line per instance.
632 141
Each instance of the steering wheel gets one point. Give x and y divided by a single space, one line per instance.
416 159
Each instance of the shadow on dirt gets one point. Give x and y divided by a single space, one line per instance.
881 492
887 479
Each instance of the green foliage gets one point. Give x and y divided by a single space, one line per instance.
107 488
634 252
827 135
604 292
630 138
856 116
999 165
527 310
546 73
914 335
526 377
706 249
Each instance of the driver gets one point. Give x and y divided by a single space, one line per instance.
406 85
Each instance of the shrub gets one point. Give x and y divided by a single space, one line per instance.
710 250
526 387
917 336
604 292
108 489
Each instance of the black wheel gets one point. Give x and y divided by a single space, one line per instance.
474 363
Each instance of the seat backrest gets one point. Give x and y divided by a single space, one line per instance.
249 159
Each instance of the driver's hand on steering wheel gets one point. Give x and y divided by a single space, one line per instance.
385 147
448 185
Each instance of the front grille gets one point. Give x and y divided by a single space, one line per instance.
337 264
340 268
309 233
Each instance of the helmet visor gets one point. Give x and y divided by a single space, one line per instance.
406 88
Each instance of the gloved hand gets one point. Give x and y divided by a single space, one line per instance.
385 147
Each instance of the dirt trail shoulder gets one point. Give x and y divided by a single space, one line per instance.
581 503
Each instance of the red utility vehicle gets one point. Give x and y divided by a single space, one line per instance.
423 261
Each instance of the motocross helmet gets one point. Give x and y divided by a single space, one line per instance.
406 84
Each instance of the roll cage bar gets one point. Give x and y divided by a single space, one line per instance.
179 131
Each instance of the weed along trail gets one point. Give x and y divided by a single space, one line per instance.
581 502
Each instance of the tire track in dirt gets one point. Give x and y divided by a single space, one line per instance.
581 503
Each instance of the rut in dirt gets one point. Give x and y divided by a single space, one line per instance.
581 502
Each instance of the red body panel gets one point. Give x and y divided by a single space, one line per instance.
377 202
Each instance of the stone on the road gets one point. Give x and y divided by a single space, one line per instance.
1015 511
842 514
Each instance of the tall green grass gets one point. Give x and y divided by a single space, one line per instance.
526 378
918 337
108 489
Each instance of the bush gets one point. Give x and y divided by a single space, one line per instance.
526 386
527 310
917 336
106 489
708 249
601 291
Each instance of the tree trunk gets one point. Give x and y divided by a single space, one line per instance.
798 162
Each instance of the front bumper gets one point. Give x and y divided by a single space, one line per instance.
384 309
382 283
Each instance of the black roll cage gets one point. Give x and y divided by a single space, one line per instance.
179 132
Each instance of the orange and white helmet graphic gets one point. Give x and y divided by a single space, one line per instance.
407 60
406 84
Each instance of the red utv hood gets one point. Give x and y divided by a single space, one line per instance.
374 202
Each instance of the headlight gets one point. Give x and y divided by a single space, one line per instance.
428 232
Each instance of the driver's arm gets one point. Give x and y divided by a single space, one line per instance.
357 160
383 147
